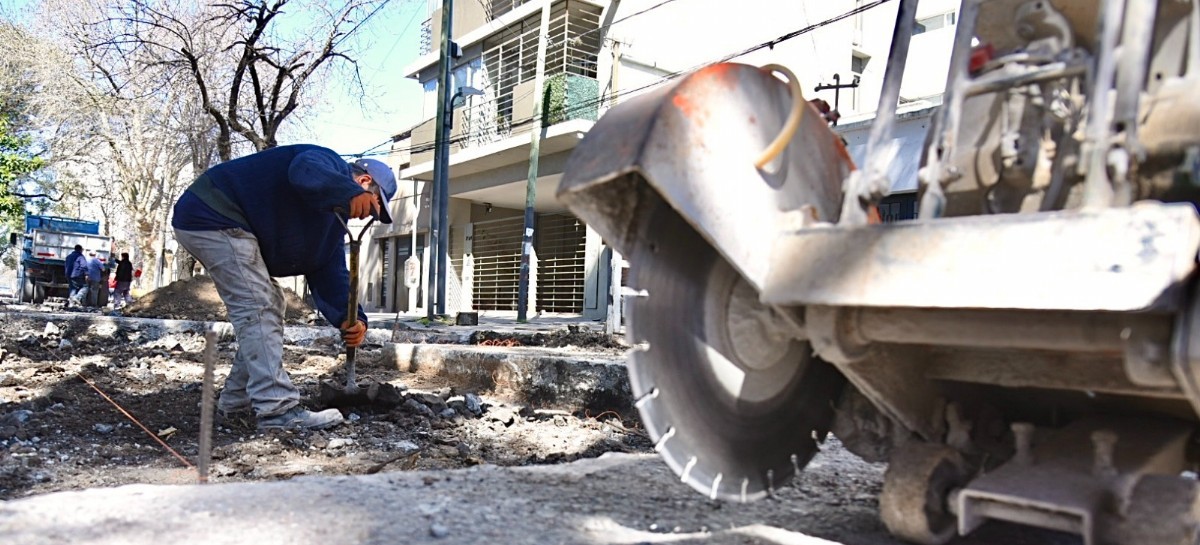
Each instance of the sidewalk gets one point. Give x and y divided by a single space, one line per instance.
414 328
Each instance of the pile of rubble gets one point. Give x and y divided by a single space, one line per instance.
59 432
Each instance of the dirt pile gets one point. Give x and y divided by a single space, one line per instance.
197 299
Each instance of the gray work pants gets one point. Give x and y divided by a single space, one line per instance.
255 305
78 290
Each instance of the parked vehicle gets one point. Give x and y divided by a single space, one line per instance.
44 248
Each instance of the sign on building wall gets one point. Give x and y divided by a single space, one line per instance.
412 272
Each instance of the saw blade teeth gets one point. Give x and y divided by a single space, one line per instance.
745 488
646 399
716 486
662 441
687 469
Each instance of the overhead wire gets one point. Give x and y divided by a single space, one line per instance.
586 105
597 29
403 31
630 16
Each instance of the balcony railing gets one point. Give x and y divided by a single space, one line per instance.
497 8
507 73
426 39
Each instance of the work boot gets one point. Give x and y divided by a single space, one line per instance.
298 418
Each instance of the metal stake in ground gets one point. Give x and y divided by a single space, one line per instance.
351 394
206 404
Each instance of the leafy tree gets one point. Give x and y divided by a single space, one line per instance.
16 163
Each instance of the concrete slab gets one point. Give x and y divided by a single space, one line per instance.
617 498
543 377
415 329
412 329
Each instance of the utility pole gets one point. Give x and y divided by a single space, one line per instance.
535 145
837 87
440 206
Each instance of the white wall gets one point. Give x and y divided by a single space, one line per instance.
683 35
908 137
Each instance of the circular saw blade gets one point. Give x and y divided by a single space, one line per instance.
734 410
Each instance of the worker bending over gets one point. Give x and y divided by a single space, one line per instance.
271 214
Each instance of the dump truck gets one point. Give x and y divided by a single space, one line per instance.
44 245
1022 351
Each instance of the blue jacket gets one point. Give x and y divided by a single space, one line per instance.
76 264
285 196
95 269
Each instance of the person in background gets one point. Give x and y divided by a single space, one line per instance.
95 279
124 278
76 266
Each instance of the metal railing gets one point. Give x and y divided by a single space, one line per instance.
425 42
509 68
497 8
507 71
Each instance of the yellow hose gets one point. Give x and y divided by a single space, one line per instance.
793 122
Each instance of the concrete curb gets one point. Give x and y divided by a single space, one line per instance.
540 377
565 379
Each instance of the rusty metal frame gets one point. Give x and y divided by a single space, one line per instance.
1079 479
1138 257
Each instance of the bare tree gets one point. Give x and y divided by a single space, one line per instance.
144 95
118 146
249 74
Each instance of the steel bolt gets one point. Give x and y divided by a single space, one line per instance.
1023 434
1103 444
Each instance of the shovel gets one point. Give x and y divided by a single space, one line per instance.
351 394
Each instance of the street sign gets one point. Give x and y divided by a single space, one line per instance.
412 272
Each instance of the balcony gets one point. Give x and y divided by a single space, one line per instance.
497 8
425 42
507 76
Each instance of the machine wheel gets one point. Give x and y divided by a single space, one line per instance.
39 293
734 402
916 487
26 291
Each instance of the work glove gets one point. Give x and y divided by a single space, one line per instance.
364 205
353 335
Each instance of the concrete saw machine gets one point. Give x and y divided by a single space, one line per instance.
1021 352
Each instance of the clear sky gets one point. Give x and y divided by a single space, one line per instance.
349 126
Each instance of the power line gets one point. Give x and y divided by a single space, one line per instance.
564 39
403 31
586 105
488 11
630 16
757 47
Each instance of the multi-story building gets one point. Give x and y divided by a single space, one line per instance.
598 53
